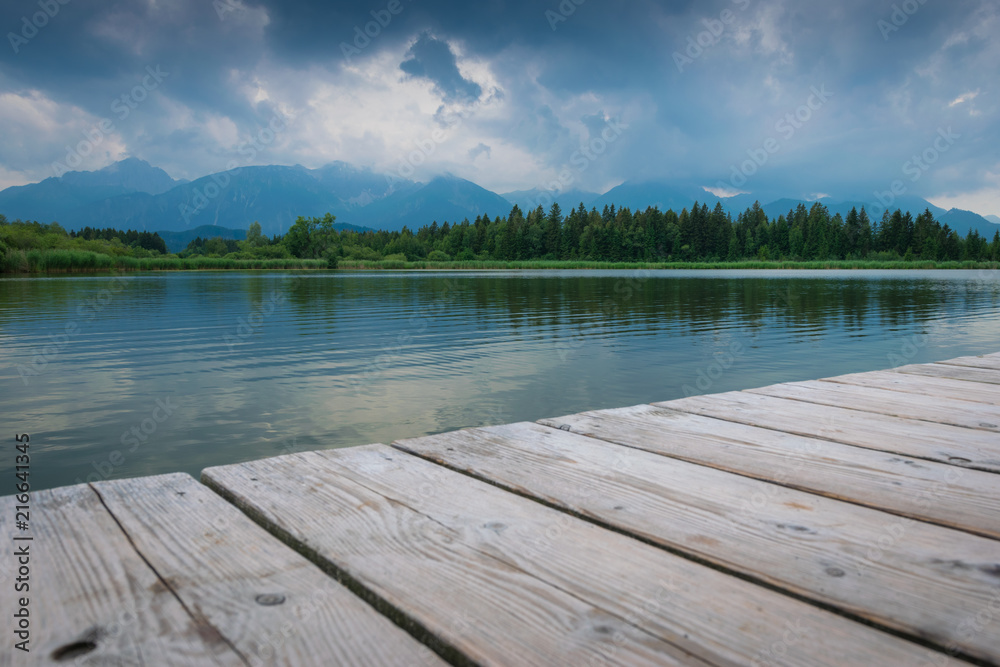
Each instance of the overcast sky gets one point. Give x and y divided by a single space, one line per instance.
829 97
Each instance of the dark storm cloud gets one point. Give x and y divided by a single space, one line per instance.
700 84
432 59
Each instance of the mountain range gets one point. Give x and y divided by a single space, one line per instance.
132 194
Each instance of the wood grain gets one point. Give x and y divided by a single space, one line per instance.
991 362
968 373
92 597
508 581
885 402
926 385
935 442
270 603
431 573
916 578
935 492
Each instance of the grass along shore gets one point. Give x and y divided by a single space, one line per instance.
77 261
477 265
74 261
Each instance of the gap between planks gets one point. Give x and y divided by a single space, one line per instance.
802 543
443 546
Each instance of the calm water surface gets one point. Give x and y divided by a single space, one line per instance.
154 373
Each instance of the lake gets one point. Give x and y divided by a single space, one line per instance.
140 374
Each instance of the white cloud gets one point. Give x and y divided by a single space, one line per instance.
724 192
39 131
965 97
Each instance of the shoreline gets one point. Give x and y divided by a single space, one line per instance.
60 263
368 265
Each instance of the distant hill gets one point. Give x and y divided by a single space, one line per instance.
60 198
177 241
446 198
132 174
641 195
132 194
993 218
964 221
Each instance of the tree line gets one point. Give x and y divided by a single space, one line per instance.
621 235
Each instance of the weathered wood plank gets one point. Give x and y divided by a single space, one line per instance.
985 361
926 385
432 543
268 602
92 598
917 578
882 401
935 442
431 572
967 373
935 492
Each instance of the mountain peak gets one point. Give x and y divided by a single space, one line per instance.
128 163
129 175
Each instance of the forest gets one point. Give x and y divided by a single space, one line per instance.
619 235
699 236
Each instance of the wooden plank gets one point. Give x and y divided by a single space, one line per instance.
92 598
969 374
986 361
935 442
268 602
436 575
926 385
917 578
935 492
509 581
882 401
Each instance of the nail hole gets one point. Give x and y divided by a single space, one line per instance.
835 572
74 650
270 599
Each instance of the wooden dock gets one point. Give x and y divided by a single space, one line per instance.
853 520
